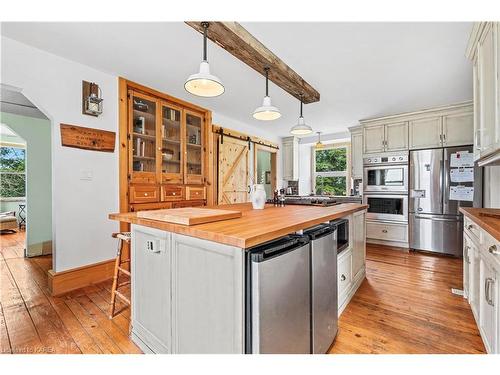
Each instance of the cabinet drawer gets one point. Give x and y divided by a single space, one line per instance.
491 249
387 232
344 276
172 193
472 229
144 194
195 192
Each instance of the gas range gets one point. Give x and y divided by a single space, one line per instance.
311 201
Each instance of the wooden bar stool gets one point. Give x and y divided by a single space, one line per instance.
119 263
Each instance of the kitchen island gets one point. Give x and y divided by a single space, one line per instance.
188 282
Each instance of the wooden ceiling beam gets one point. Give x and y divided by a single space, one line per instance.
236 40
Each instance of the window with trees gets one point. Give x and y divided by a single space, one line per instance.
331 166
12 172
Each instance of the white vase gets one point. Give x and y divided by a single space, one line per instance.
258 197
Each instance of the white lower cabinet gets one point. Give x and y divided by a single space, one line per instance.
151 306
389 233
351 262
187 294
488 306
481 282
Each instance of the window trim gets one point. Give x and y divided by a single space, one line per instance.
23 147
346 173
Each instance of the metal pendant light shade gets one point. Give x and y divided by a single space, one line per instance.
267 111
301 128
203 83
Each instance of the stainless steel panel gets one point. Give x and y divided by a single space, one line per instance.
450 207
426 181
370 215
436 233
324 307
281 303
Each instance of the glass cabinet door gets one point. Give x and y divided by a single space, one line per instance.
194 148
171 148
142 115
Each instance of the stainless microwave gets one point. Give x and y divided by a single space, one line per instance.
385 174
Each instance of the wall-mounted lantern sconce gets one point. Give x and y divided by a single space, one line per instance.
91 99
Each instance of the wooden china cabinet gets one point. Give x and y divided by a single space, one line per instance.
165 153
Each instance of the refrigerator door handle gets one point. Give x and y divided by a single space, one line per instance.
436 218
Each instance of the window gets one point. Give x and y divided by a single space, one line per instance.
12 172
330 170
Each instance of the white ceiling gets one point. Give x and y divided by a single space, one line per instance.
361 70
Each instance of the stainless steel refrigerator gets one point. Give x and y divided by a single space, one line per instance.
437 179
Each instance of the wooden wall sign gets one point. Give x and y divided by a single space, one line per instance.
87 138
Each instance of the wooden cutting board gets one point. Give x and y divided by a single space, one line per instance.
189 215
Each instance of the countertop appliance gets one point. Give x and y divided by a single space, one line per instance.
437 178
385 173
342 229
318 200
278 297
324 305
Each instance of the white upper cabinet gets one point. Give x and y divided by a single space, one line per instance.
458 129
290 156
396 136
425 132
357 154
484 51
373 139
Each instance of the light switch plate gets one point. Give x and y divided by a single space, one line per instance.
86 175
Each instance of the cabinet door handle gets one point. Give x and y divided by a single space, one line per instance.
384 230
487 283
470 227
342 278
466 255
493 250
444 138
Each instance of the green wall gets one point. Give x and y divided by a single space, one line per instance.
37 134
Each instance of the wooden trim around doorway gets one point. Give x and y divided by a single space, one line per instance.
66 281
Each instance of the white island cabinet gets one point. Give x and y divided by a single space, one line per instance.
187 294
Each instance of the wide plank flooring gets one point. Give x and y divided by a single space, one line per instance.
404 305
32 321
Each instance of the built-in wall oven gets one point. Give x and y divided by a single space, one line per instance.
391 207
385 174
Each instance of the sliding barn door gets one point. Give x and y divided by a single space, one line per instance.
233 171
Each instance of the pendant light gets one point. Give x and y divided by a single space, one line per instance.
203 83
318 144
301 128
267 111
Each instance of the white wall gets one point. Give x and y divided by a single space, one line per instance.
491 197
82 232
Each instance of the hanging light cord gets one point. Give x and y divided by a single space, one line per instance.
301 105
266 69
205 28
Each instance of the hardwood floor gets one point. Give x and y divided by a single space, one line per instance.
32 321
404 306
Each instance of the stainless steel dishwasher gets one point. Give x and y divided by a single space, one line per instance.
278 297
324 303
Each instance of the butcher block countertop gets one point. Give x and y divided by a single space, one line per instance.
487 218
254 226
